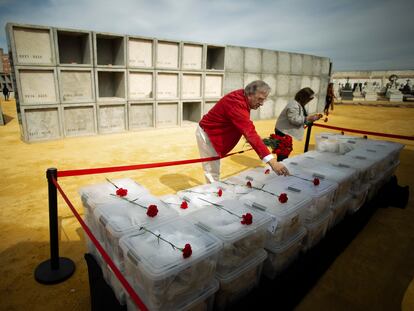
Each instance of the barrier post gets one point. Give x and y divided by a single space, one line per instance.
56 269
308 135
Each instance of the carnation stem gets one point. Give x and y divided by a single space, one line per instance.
112 183
256 188
160 238
219 206
130 201
302 178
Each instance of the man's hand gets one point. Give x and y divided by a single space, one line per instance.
278 167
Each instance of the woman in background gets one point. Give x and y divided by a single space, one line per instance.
329 101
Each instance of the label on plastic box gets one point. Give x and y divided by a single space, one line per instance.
294 189
249 178
318 176
273 225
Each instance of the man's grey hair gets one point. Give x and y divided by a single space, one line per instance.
257 86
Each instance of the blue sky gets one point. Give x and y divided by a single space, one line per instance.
355 34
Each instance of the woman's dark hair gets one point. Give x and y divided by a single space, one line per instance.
304 95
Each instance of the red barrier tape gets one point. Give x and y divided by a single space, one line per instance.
364 132
101 250
102 170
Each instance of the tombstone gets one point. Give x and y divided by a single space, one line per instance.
393 94
370 92
346 91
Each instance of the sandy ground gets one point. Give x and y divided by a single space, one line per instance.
24 233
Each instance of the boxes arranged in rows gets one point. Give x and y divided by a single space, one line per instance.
112 117
316 231
79 119
140 85
161 270
141 115
140 52
167 114
76 85
41 123
241 229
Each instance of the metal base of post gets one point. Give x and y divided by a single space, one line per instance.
46 275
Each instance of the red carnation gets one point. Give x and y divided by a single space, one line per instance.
247 219
283 198
316 181
184 205
220 192
152 210
249 184
187 251
267 171
121 192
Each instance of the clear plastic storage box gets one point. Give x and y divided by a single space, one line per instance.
339 210
358 198
159 273
176 203
240 240
281 255
258 175
239 282
286 217
316 231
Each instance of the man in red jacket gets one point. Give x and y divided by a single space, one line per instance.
222 127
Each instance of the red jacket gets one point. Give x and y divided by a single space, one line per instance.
228 120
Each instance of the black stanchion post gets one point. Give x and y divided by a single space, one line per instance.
55 269
308 135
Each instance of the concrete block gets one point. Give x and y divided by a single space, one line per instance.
283 62
167 114
323 86
31 45
37 85
270 79
191 85
267 110
213 85
167 54
110 50
167 85
234 59
269 61
312 106
73 48
315 84
79 119
307 65
306 82
296 64
76 85
140 52
252 60
325 66
316 66
192 56
140 85
208 104
41 123
215 57
191 112
250 77
110 85
112 117
280 104
294 84
232 81
141 115
282 88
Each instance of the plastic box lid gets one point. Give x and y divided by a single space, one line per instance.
226 226
124 216
175 203
95 195
261 175
158 259
210 192
276 248
270 203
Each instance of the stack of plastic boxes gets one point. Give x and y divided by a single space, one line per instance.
240 263
159 273
336 143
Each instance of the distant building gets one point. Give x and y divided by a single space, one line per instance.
5 77
5 62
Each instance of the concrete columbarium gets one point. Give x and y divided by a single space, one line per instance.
81 82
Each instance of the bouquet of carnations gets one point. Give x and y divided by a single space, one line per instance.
281 145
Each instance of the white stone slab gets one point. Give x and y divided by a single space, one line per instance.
270 79
41 123
79 120
250 77
252 60
306 82
294 84
208 105
167 85
269 61
33 46
234 59
283 62
267 110
140 52
167 114
315 84
141 115
167 54
140 85
111 118
316 66
312 106
232 81
282 85
192 56
191 85
76 86
280 104
213 86
191 112
37 86
325 64
307 65
296 64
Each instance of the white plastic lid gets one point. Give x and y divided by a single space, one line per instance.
302 182
158 259
262 175
214 192
124 216
275 247
226 226
175 203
